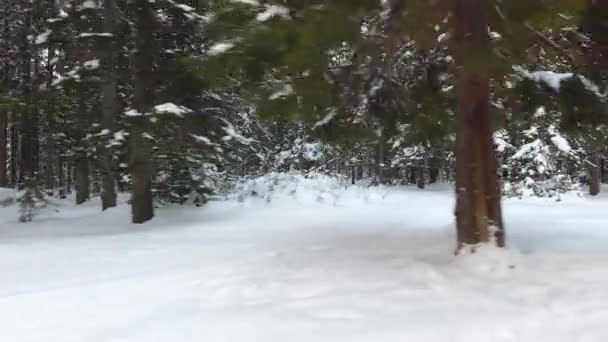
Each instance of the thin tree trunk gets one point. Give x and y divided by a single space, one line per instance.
3 148
82 168
61 178
69 178
595 175
14 151
140 159
108 107
379 160
51 146
478 211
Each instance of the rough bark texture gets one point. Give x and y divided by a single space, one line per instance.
140 160
478 211
108 107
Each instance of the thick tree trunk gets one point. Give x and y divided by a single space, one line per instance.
108 107
140 159
420 178
83 185
29 120
478 211
595 175
3 148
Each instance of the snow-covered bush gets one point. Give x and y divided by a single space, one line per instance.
540 160
312 187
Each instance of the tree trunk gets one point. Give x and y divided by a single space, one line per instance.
380 158
108 107
50 172
14 152
83 185
61 178
82 168
421 181
69 178
595 175
3 148
140 159
478 211
29 120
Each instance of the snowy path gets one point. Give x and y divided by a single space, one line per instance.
374 266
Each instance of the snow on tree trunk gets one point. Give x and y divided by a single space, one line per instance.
140 160
478 211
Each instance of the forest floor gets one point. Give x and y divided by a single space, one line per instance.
353 265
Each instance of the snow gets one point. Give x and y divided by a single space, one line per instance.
201 139
89 4
559 141
272 11
550 78
500 141
92 64
43 37
6 195
171 108
326 119
185 8
95 34
133 113
246 2
319 262
442 37
232 134
219 48
285 90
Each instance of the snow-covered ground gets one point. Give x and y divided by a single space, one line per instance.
345 265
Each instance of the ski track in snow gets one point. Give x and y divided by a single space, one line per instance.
374 265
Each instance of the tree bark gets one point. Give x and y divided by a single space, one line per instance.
380 157
83 186
29 118
14 152
82 168
108 106
3 148
140 159
478 210
595 175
